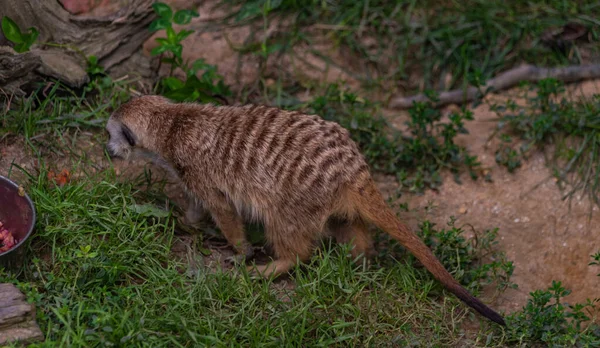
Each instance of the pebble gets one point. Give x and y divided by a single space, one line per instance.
462 210
517 220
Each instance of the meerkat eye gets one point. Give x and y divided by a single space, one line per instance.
128 135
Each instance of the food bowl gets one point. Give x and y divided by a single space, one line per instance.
17 213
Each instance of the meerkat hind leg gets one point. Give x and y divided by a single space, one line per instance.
355 232
290 245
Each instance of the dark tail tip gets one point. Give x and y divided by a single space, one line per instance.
480 307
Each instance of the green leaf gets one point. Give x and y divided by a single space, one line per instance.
172 83
159 24
168 60
21 47
162 41
92 60
177 50
163 10
184 16
249 10
32 35
194 82
171 36
182 94
205 252
11 30
159 50
149 210
183 34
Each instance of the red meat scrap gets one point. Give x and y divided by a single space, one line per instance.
7 240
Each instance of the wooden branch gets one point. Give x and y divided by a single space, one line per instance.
17 317
503 81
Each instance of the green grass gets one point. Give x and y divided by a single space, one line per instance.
100 273
430 38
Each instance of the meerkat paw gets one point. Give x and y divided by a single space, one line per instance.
274 268
235 260
244 254
185 221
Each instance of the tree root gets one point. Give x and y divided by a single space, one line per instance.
503 81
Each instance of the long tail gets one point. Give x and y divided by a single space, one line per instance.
371 206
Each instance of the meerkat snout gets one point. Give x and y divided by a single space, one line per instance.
121 139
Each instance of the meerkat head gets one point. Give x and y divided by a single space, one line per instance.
130 127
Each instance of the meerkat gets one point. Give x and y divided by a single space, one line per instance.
297 173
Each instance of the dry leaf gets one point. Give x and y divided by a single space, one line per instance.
60 179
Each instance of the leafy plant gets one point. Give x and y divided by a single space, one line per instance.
93 68
22 40
416 159
596 261
549 118
548 319
467 258
204 88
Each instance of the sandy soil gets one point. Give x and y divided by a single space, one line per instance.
546 237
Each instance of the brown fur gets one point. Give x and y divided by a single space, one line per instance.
291 170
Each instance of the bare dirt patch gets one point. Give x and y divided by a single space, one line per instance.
547 237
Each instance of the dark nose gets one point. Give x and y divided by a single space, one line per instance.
110 152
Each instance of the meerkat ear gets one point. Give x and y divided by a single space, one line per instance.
128 134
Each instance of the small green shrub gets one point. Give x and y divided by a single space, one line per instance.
468 258
596 261
547 118
558 324
193 88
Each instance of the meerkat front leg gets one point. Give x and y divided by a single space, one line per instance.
231 225
194 212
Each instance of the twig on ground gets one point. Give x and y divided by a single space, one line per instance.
503 81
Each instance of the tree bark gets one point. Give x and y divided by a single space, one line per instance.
65 39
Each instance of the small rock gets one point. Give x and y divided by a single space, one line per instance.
462 210
517 220
525 219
